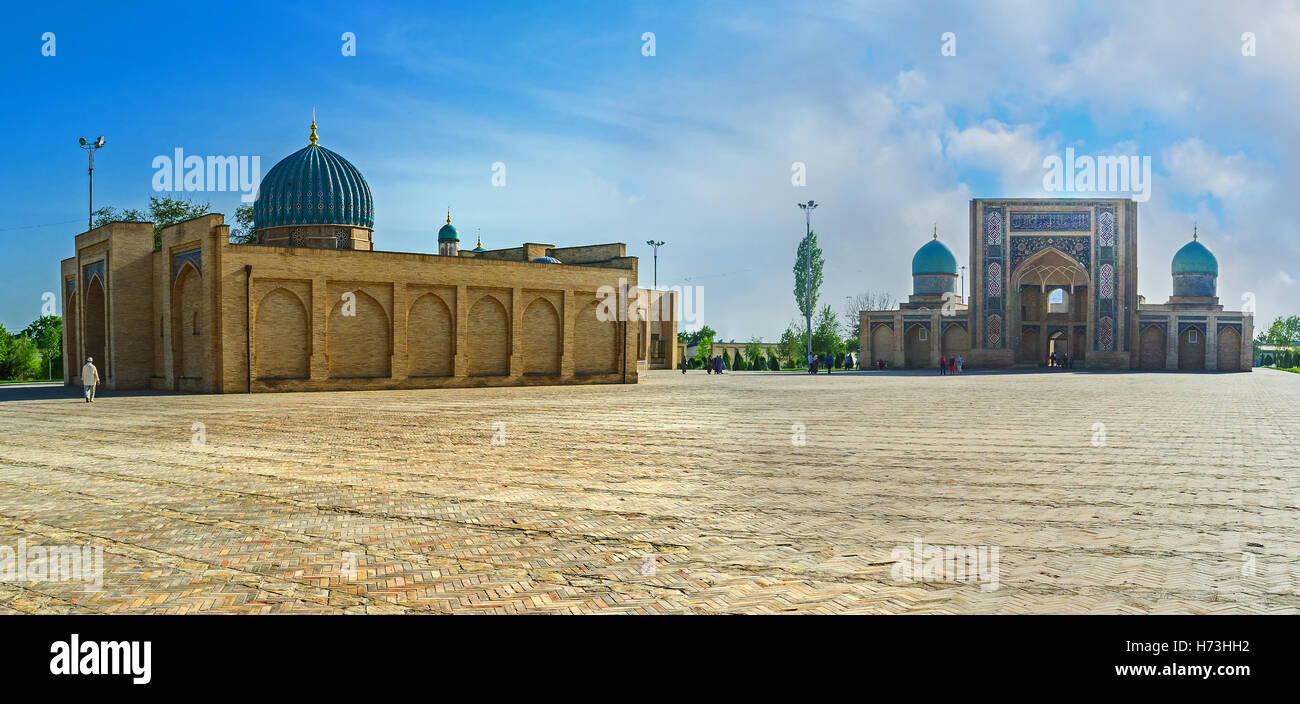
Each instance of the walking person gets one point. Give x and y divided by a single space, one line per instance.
961 361
943 366
89 379
683 363
952 366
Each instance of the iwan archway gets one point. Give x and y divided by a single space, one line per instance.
1049 297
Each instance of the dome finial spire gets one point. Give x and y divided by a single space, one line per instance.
313 125
480 236
1193 230
936 230
449 215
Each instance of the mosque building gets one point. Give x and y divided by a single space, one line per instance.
1058 276
312 305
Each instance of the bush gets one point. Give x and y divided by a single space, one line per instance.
760 365
773 363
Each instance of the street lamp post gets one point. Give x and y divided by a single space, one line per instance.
962 292
91 148
807 271
656 245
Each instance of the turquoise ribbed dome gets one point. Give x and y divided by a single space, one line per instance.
448 233
547 260
934 257
1195 258
313 186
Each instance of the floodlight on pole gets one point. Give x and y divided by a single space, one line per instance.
656 245
90 150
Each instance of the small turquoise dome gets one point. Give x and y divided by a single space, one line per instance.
313 186
548 260
934 257
447 233
1195 258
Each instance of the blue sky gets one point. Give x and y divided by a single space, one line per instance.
693 145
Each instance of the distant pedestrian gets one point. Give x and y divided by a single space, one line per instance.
961 362
952 366
683 363
943 366
89 379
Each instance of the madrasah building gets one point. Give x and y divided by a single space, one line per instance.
312 305
1058 276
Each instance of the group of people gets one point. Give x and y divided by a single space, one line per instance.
951 365
713 366
1060 359
830 361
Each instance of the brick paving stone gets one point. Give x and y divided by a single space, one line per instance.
1190 505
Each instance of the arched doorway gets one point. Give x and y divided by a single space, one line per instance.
1228 354
1191 349
1058 344
882 344
916 347
1051 291
955 341
187 333
72 355
1151 348
96 314
1079 351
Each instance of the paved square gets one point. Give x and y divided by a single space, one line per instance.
1189 504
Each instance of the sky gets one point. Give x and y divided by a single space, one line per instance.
693 145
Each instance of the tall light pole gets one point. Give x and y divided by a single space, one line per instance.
962 293
656 245
807 270
91 148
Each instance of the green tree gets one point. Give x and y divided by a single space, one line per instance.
772 362
18 357
163 211
705 342
694 337
753 350
827 337
47 332
791 345
808 260
243 233
108 214
166 211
